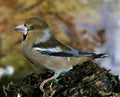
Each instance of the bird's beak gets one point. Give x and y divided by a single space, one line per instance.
22 29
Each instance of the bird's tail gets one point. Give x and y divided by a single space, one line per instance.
93 55
102 55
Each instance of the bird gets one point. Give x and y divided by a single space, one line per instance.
46 52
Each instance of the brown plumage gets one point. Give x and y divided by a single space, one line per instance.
52 43
42 49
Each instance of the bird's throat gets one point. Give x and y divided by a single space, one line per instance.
24 37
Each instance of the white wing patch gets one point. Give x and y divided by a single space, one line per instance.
48 49
51 50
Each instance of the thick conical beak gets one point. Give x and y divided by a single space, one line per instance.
22 29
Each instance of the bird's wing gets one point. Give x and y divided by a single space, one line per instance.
53 47
54 52
72 53
57 48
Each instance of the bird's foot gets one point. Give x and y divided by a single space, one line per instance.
44 82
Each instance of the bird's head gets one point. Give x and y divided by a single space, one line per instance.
34 29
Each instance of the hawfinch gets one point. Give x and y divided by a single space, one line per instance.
43 50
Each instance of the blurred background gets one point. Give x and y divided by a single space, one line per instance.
88 25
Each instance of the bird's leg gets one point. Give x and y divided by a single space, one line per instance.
47 80
44 82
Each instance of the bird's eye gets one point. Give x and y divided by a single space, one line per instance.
30 28
25 25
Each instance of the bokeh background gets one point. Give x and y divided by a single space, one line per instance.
88 25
